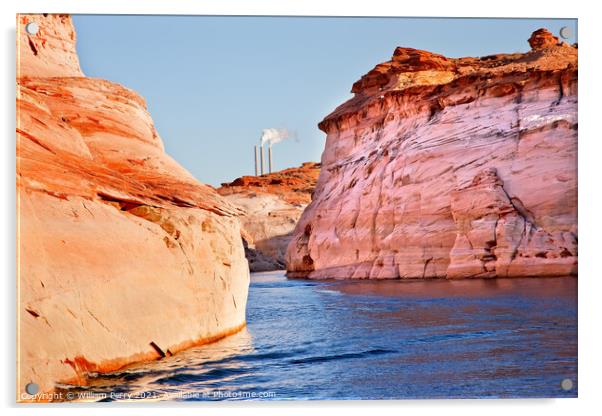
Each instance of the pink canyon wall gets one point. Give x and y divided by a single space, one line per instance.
449 168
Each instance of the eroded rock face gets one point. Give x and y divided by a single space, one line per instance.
123 255
272 205
498 236
542 38
441 167
50 52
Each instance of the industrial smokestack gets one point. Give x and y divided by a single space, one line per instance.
270 137
261 153
256 162
270 158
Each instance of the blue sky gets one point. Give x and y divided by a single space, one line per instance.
213 83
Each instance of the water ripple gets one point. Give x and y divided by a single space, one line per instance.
377 340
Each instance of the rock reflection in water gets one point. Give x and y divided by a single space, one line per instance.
172 377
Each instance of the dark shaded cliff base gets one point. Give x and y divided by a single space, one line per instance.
272 204
259 262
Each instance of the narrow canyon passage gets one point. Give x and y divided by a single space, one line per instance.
436 168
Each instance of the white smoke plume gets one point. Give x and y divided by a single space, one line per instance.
273 136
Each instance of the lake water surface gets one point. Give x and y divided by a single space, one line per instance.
376 340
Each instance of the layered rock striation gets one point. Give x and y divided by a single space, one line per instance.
122 255
449 168
272 205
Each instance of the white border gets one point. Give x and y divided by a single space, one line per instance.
511 8
590 176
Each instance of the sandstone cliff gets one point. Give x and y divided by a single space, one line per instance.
272 204
122 255
454 168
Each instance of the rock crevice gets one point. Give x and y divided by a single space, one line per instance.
496 237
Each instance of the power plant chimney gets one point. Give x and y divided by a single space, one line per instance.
270 158
256 162
261 152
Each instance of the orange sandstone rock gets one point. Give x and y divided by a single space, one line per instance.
50 52
120 249
542 38
442 167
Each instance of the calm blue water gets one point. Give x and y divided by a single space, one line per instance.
377 340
